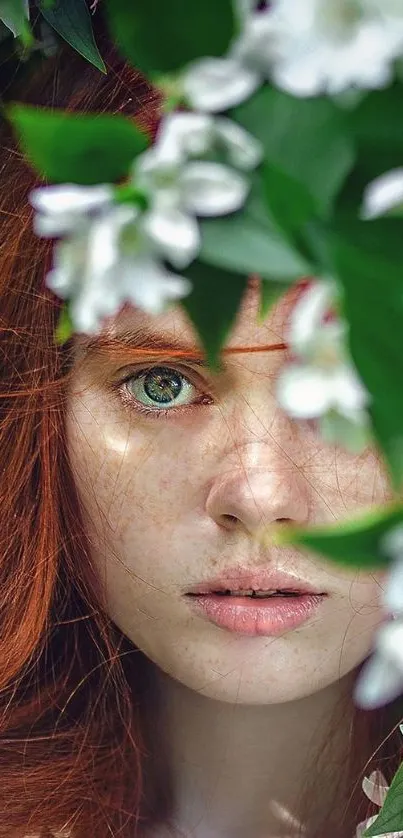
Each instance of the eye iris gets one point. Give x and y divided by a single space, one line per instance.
162 385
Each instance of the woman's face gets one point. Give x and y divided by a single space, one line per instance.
173 499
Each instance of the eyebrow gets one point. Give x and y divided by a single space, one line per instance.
140 338
143 340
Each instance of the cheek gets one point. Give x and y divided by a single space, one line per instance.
353 625
343 485
137 481
364 593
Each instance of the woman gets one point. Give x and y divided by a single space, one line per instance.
131 475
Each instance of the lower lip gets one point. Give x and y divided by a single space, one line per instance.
270 617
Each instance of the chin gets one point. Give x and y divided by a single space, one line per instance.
245 684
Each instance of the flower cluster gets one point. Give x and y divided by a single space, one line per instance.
114 252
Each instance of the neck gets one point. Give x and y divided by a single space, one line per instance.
240 770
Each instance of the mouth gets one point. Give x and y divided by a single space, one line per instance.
253 594
255 601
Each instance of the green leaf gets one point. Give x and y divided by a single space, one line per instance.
367 258
65 327
72 20
376 127
355 543
213 305
14 14
160 37
390 818
291 206
289 201
305 138
248 242
76 148
269 293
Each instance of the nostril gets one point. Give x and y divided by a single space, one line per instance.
229 519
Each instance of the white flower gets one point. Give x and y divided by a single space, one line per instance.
179 189
322 383
376 788
310 47
214 85
105 260
383 194
381 680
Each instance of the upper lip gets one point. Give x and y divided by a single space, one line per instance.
265 579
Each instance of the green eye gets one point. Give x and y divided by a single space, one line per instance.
161 387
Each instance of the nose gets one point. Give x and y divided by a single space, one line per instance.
263 487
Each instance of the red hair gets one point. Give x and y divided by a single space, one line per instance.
78 720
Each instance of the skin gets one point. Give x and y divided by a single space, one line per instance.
169 502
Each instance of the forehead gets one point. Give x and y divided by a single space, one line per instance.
175 325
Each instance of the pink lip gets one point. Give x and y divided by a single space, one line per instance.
264 579
271 617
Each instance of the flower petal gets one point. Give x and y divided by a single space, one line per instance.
63 209
349 394
392 542
158 169
244 8
188 133
96 297
389 641
210 189
302 73
151 287
50 226
308 314
383 194
68 264
379 682
103 240
173 233
375 787
96 301
243 149
393 592
214 85
260 41
302 392
70 198
364 825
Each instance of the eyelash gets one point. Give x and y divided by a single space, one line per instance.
130 402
